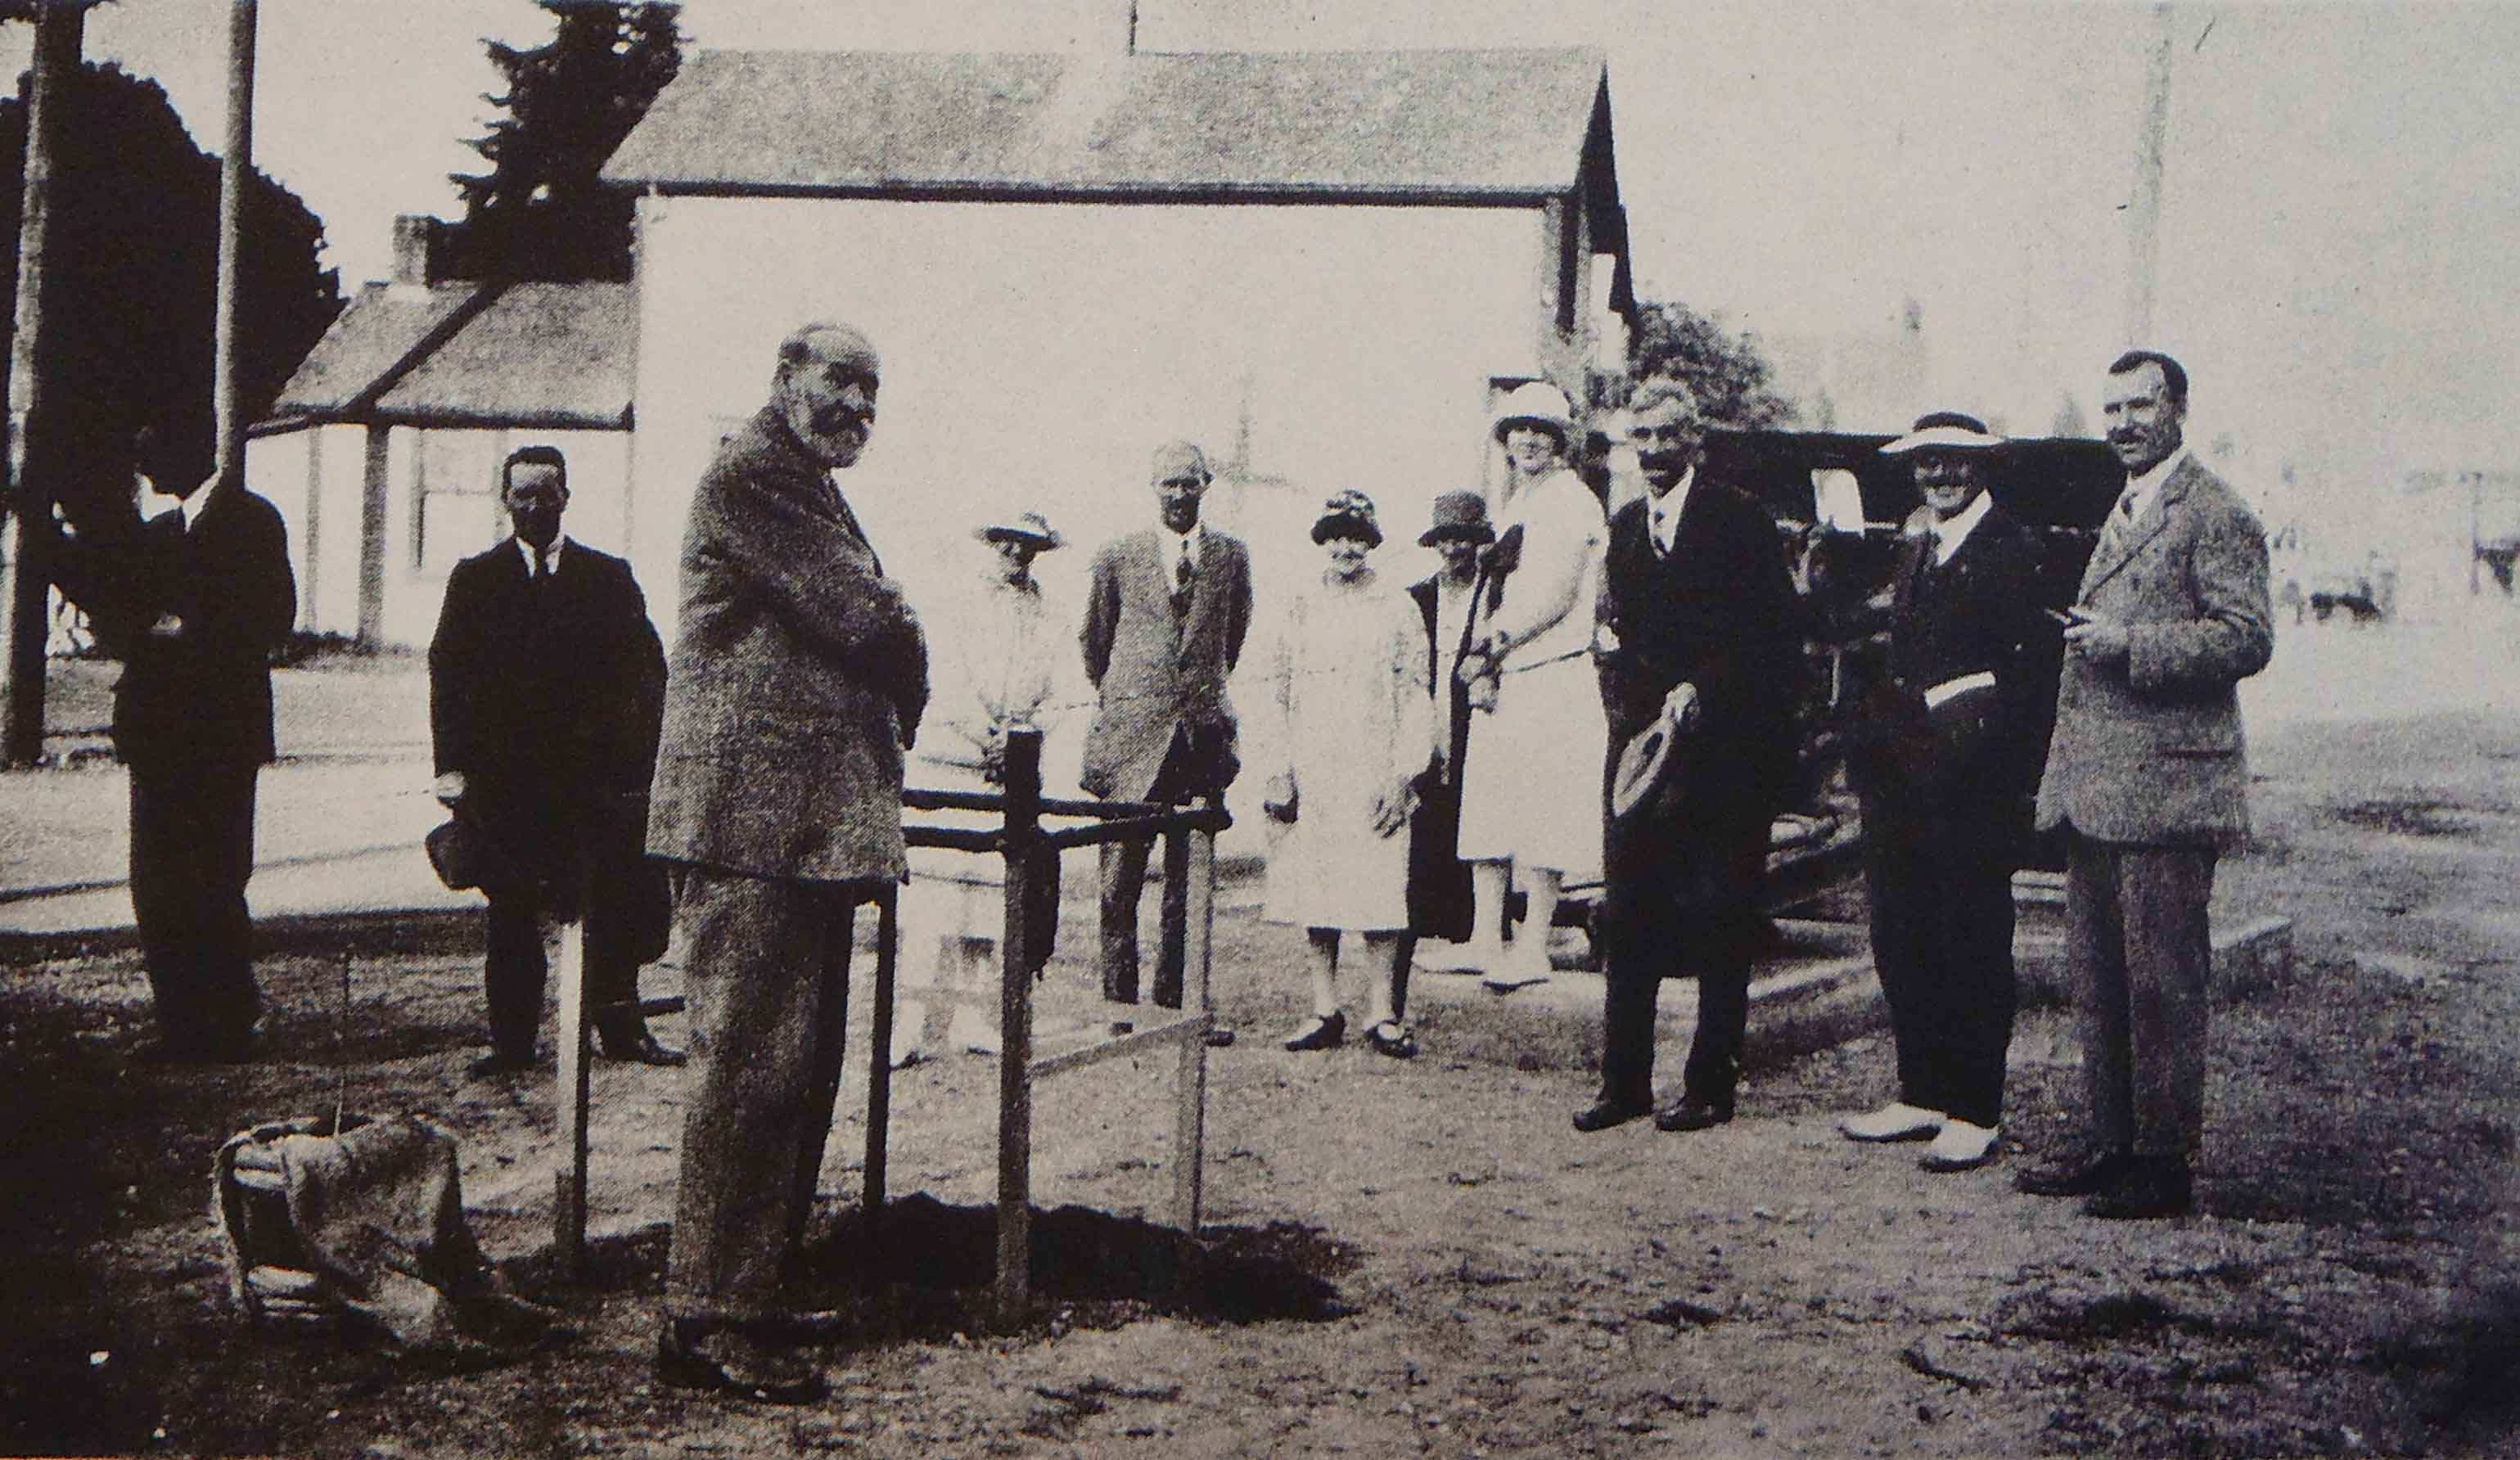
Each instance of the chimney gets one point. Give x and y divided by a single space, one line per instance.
414 248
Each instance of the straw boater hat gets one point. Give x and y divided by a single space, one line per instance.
1538 404
1028 527
1458 515
1348 514
1945 430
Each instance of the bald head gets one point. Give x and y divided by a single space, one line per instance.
825 390
1180 476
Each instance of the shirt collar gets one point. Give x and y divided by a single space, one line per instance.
551 554
191 507
1190 542
1662 513
2140 490
1948 535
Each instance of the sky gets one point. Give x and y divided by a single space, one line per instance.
2342 182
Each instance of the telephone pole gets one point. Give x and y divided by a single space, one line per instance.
2143 205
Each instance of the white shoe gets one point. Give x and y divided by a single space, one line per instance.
1443 955
971 1032
1896 1121
1960 1147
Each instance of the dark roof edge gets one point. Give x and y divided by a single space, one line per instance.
542 421
1109 193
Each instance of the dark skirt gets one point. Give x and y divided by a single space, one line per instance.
1440 900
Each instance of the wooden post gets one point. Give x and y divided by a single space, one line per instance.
1014 1030
569 1198
1190 1113
2143 207
878 1136
374 486
25 575
235 168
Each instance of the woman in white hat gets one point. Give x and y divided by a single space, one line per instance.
997 660
1531 798
1346 676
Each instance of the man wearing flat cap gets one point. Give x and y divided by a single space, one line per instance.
797 680
1945 754
1699 631
1164 623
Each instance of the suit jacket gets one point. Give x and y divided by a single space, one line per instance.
2149 751
1978 614
1159 673
203 695
1718 612
797 678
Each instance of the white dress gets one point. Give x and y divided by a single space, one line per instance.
998 660
1345 677
1531 790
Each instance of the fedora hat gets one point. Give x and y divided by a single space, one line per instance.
1653 767
1030 527
1537 403
1947 430
1458 515
1348 514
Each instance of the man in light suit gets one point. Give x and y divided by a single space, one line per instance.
797 680
545 685
2147 780
1944 753
1165 624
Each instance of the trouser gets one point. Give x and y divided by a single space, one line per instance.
589 864
766 983
514 973
1940 882
2141 947
1713 947
192 852
1124 880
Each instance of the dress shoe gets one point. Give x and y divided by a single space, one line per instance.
1321 1032
2076 1174
642 1050
1692 1113
1960 1147
1607 1112
733 1361
1896 1121
1392 1037
1219 1037
2150 1187
495 1064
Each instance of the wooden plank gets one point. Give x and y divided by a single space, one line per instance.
1189 1090
1191 1027
1013 1295
568 1207
887 940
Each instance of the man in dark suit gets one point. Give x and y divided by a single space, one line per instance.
1698 615
545 683
1164 623
194 601
797 680
2147 779
1947 753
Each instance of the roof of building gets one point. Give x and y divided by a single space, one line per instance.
471 354
1502 125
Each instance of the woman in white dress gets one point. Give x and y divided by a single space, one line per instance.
1531 796
1346 682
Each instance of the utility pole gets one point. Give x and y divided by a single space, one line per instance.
25 575
235 169
2143 205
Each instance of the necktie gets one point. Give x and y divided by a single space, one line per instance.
1661 532
1182 576
542 565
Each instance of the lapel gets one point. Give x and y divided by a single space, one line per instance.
1211 562
2119 544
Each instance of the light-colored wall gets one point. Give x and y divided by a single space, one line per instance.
1034 355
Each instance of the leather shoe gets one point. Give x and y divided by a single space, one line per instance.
642 1050
1692 1113
733 1361
495 1064
2151 1186
1896 1121
1321 1032
1607 1112
1219 1037
2077 1174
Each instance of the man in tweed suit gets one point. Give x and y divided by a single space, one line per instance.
2147 779
1165 624
797 680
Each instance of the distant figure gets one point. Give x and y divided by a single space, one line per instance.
1698 628
797 680
1946 754
1441 903
546 686
194 601
998 674
2147 780
1346 674
1165 624
1531 804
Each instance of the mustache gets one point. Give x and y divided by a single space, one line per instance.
1662 460
830 421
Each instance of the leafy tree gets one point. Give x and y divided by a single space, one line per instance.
1731 380
540 212
132 297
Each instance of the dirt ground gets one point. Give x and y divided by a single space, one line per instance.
1416 1259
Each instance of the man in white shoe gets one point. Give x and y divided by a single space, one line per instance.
1945 754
